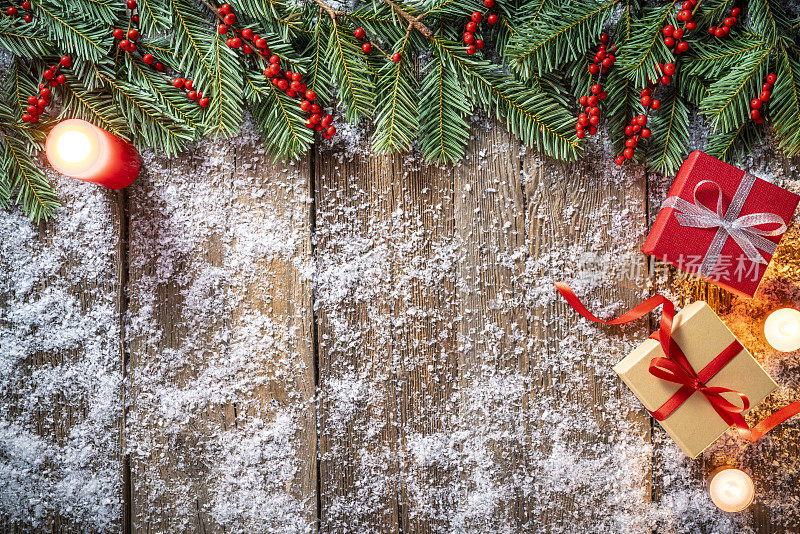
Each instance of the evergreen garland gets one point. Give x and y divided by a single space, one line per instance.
417 69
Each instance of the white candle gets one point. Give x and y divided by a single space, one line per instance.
782 329
732 490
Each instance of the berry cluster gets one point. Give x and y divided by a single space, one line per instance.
52 77
757 104
127 40
360 34
187 86
26 6
292 84
725 28
474 43
636 130
673 37
603 60
246 40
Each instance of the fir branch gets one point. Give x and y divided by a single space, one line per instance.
255 86
224 115
623 103
444 129
559 34
28 43
716 58
728 105
670 140
153 18
646 49
784 107
92 74
149 124
20 84
695 88
532 116
171 100
259 9
351 73
191 41
282 124
81 36
732 146
711 12
768 19
319 79
96 107
20 174
106 11
396 120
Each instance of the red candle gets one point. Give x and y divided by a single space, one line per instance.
82 150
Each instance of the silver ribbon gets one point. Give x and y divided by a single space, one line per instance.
728 223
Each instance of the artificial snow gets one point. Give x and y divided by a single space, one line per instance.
438 402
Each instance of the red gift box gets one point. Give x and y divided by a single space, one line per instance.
721 223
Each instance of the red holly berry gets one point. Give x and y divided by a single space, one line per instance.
720 32
630 143
682 47
133 34
730 21
594 120
646 101
310 95
204 102
772 78
45 92
32 100
27 18
764 96
131 4
669 42
476 17
691 25
41 103
471 49
678 33
759 120
641 120
192 95
225 9
247 33
628 153
236 42
247 49
620 160
66 61
488 3
26 5
593 69
261 42
669 69
668 30
472 27
665 79
655 104
755 114
222 29
580 133
591 101
366 47
596 89
229 19
492 19
123 44
583 101
330 131
148 59
735 11
119 34
645 132
479 44
305 105
687 6
359 33
159 66
604 38
756 103
684 15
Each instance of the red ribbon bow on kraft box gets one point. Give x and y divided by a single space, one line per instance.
721 223
692 375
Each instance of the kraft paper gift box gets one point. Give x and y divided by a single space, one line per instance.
701 181
701 335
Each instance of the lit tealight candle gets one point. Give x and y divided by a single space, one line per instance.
82 150
732 490
782 329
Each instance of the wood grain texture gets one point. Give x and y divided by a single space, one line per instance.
597 215
222 428
358 413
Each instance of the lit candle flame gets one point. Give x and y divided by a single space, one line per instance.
732 490
73 146
782 329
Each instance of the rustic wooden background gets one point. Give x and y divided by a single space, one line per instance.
506 204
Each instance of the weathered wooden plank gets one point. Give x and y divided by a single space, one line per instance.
221 422
61 366
585 221
357 366
489 209
424 316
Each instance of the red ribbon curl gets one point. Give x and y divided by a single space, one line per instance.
674 367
